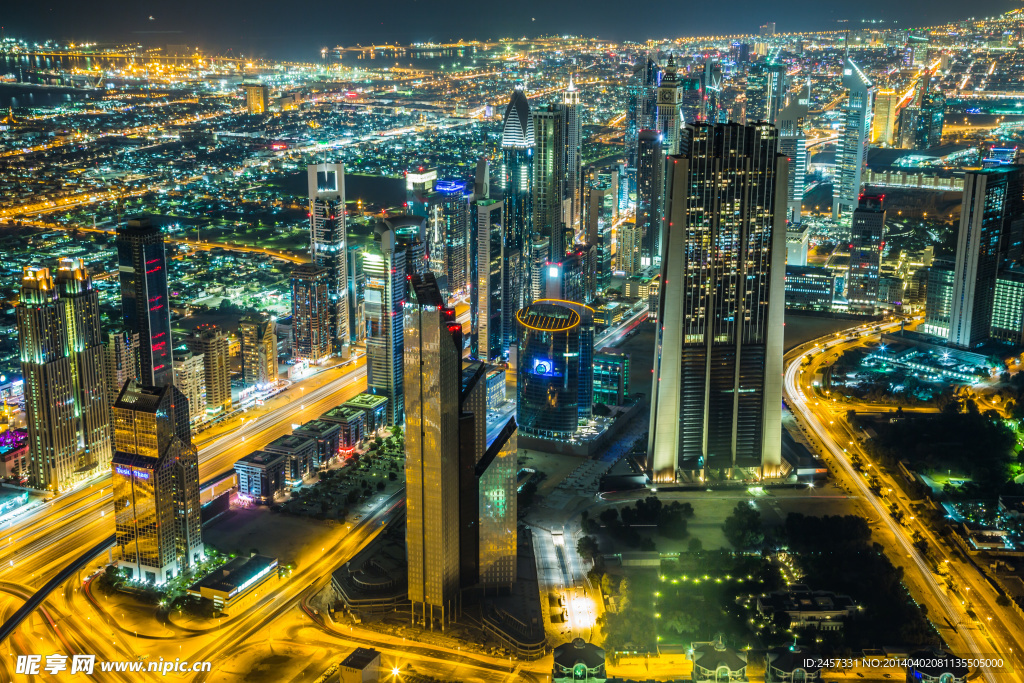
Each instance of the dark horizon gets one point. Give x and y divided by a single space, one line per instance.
260 28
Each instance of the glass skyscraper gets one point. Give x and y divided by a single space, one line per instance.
517 185
385 269
311 313
549 179
867 235
649 190
717 389
328 244
853 139
573 138
142 264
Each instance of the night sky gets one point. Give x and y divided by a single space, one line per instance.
298 29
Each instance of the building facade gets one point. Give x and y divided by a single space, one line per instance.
384 265
867 238
853 139
311 313
259 350
211 343
328 245
717 391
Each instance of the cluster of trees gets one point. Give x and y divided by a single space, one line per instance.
978 445
744 528
631 627
624 525
836 554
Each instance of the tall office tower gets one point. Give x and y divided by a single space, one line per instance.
765 92
385 267
328 245
867 235
145 307
604 256
931 118
549 177
190 380
629 257
356 292
938 297
516 182
311 313
990 225
571 277
797 239
259 350
670 118
410 236
419 183
692 105
482 180
155 484
212 343
119 357
641 112
907 126
883 127
496 509
554 392
257 98
62 365
85 346
650 195
433 380
714 107
449 228
573 163
793 143
853 139
493 264
717 390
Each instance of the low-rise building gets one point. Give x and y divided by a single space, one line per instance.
261 475
809 288
327 436
791 664
301 452
611 378
822 610
238 583
375 408
361 666
578 661
714 662
352 424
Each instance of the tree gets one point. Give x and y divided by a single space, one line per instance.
647 545
588 548
694 545
744 528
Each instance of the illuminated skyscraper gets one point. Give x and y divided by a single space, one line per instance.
573 186
792 121
155 484
516 183
641 112
766 91
867 236
549 178
212 343
449 233
433 380
328 244
190 380
853 139
495 263
883 127
59 342
120 358
311 313
142 264
670 117
259 350
257 98
385 267
990 227
649 196
717 390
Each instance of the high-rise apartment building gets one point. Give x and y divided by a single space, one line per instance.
628 256
433 380
765 92
517 140
449 224
990 221
212 343
867 237
155 484
120 358
385 267
311 313
145 306
259 350
573 164
190 380
717 390
59 341
356 294
328 244
853 139
257 98
549 178
649 195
